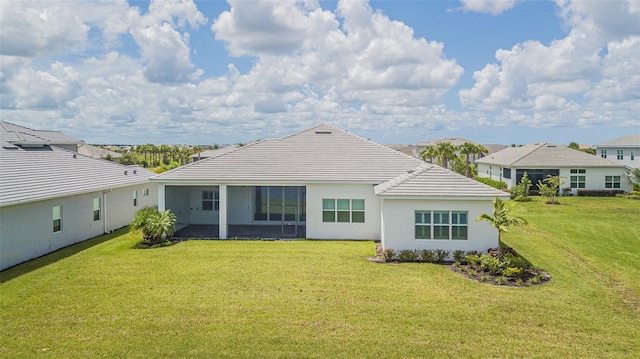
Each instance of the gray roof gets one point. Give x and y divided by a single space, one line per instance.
545 154
626 141
214 153
321 154
409 150
32 174
15 134
97 152
433 181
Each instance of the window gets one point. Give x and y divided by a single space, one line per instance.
278 203
612 182
343 210
145 192
57 218
577 178
135 198
506 173
620 154
603 153
96 209
207 200
632 154
441 225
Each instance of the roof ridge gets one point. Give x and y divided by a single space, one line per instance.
542 144
405 176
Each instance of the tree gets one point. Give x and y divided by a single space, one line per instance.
501 219
445 151
574 145
550 188
154 225
520 192
468 149
633 177
428 152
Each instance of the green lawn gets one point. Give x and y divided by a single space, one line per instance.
323 299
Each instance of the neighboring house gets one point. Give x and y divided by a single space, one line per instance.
623 150
539 160
52 197
456 141
326 183
408 150
97 152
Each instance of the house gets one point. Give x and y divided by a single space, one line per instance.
326 183
52 196
624 150
539 160
97 152
212 153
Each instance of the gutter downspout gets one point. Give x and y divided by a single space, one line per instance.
104 204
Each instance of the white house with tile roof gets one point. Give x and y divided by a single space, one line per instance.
539 160
326 183
625 150
52 197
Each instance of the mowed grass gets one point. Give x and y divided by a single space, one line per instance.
324 299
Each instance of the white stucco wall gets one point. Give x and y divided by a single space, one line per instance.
595 178
26 230
317 229
399 225
240 204
612 155
495 172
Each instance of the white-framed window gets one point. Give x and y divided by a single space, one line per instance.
96 209
135 198
578 178
57 218
632 155
210 200
343 210
603 153
620 154
443 225
612 182
145 192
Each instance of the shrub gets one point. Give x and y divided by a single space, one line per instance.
534 280
458 256
473 273
599 192
408 255
472 259
519 282
520 192
441 255
491 182
501 280
154 225
484 278
549 188
389 254
512 272
428 255
509 260
567 191
490 264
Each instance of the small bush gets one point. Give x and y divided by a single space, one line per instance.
458 256
428 255
491 182
441 255
484 278
501 280
473 273
512 272
389 254
490 264
519 282
509 260
534 280
408 255
473 259
599 192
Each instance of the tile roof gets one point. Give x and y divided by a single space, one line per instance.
456 141
32 174
15 134
626 141
433 181
321 154
545 154
97 152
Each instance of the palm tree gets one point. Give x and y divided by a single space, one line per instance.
467 149
445 151
428 152
154 225
633 176
500 217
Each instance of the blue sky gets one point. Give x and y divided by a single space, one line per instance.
204 72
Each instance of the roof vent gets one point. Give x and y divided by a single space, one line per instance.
125 173
135 172
410 171
552 146
323 132
10 147
74 156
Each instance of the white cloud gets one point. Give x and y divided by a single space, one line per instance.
534 77
493 7
33 28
